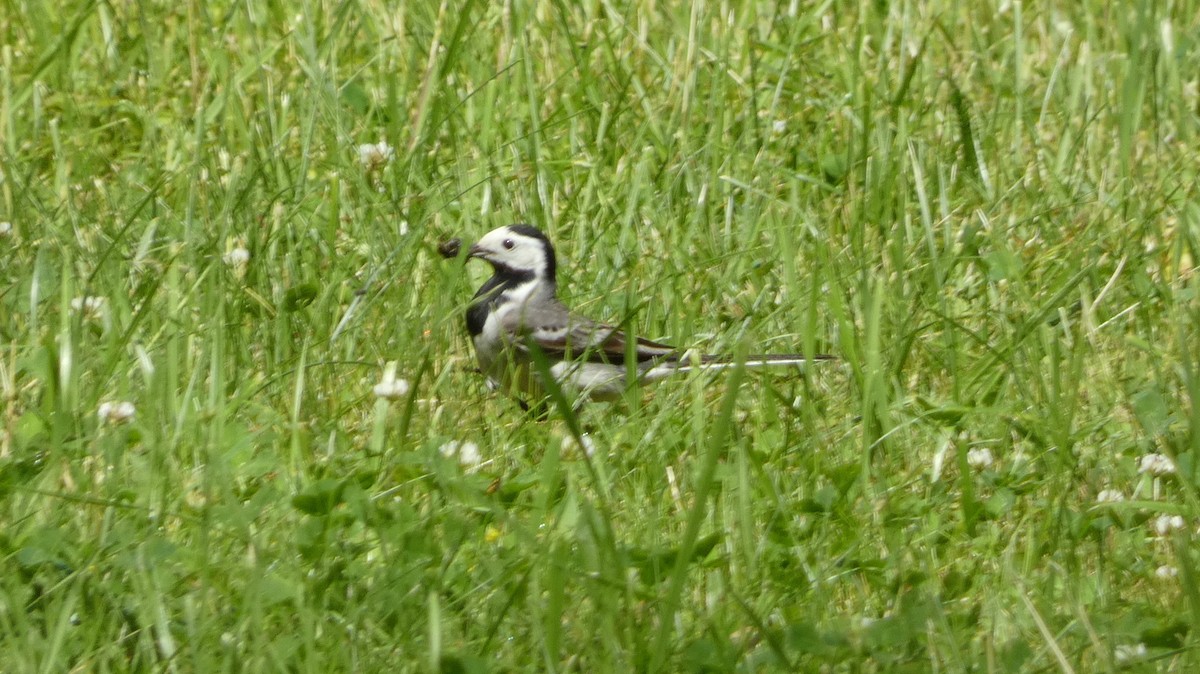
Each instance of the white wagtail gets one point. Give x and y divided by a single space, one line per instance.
518 309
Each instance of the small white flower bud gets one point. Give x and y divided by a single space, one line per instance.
116 413
980 458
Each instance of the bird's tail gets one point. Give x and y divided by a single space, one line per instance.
716 363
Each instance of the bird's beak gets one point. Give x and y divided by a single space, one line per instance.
477 251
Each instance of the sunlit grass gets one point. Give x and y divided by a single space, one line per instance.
989 214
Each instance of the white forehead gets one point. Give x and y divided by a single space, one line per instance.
497 236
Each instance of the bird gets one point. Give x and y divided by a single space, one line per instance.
517 310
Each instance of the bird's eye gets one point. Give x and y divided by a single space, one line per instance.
508 244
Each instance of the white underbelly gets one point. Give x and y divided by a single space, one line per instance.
513 373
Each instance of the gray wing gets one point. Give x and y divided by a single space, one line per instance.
563 335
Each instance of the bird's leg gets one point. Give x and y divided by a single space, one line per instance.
538 411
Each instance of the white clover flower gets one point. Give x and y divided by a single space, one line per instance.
1166 572
1062 25
389 387
116 413
238 257
466 452
779 126
1110 496
91 307
6 228
570 445
1165 524
391 390
980 458
1126 652
375 156
1156 464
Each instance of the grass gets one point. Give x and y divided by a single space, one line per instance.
990 214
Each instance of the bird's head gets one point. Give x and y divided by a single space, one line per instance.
520 250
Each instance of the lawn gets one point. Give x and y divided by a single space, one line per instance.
241 429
